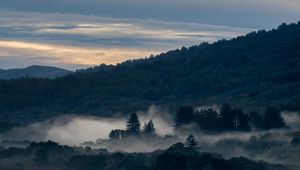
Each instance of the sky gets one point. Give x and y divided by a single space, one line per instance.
75 34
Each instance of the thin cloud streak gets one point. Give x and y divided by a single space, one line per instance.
69 55
242 13
76 41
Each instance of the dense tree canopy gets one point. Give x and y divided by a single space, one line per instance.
272 119
184 116
228 119
50 155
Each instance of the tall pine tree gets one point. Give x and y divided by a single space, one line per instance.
191 142
133 125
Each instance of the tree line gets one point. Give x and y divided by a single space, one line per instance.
51 155
229 119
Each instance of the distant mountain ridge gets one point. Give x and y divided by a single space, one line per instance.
34 71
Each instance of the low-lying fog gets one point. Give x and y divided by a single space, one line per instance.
75 130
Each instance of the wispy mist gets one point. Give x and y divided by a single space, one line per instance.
70 130
272 145
73 130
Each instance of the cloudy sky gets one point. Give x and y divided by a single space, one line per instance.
81 33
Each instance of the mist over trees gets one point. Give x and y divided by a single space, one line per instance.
227 119
133 129
191 142
253 73
192 154
117 134
149 128
51 155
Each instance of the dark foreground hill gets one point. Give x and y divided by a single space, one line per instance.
50 155
33 71
253 71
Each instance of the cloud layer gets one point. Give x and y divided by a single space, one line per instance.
242 13
75 41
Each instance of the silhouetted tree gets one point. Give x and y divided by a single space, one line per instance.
191 142
273 119
133 125
117 134
149 128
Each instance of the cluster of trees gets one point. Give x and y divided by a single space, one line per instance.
229 119
133 128
271 119
256 70
51 155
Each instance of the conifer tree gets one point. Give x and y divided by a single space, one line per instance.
149 128
133 125
191 142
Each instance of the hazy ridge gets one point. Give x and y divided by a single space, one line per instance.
34 71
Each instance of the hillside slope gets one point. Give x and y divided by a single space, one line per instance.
253 71
33 71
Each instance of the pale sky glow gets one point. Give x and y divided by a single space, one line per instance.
79 41
71 55
76 34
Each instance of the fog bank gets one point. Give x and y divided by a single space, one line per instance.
74 129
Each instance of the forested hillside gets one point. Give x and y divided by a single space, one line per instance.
254 71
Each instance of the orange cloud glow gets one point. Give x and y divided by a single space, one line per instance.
69 54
